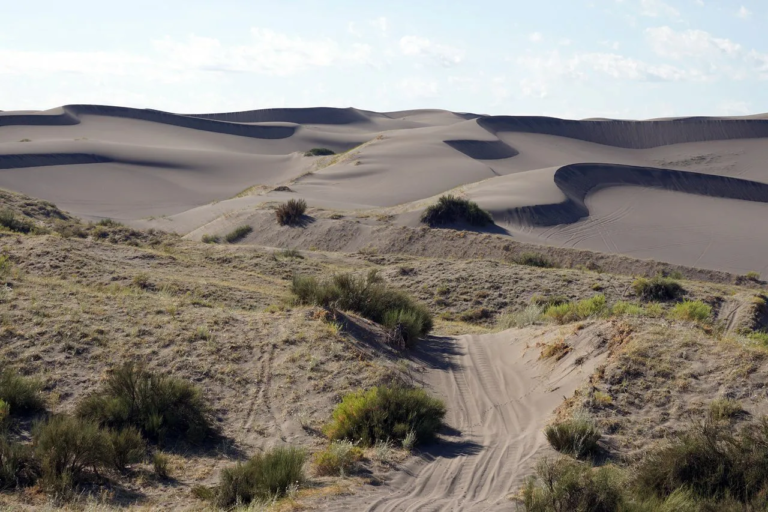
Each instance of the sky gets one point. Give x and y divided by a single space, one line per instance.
630 59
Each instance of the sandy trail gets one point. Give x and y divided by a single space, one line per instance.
499 396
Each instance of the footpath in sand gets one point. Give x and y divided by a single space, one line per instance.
500 395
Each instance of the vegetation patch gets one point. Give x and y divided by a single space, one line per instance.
159 406
691 311
369 297
266 476
576 311
528 316
450 209
534 259
18 466
21 394
659 288
385 414
12 222
578 437
291 212
238 234
211 239
319 152
339 459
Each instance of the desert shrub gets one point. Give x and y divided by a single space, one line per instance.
659 288
66 447
160 406
109 223
291 212
211 239
546 301
22 394
565 485
367 296
753 276
238 234
691 310
576 311
476 315
386 413
126 447
319 152
10 221
528 316
577 436
534 259
161 465
724 409
711 461
291 253
18 466
339 458
265 476
622 308
450 209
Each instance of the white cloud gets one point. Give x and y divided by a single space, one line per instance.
353 29
744 13
381 24
658 9
416 46
669 43
535 37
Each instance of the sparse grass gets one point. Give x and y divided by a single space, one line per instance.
161 465
369 297
622 308
534 259
319 152
211 239
576 311
238 234
691 311
658 288
21 394
291 253
160 406
386 413
18 466
722 409
556 350
450 209
476 315
577 436
266 476
12 222
338 459
291 212
528 316
602 399
753 276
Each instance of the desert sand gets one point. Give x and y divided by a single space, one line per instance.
689 191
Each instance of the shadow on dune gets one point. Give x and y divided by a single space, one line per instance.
53 159
578 180
437 353
449 449
316 115
483 149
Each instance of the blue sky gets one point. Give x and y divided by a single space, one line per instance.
565 58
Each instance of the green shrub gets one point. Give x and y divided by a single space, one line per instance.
126 447
384 414
211 239
369 297
659 288
160 406
238 234
691 310
753 276
10 221
290 213
577 436
319 152
450 209
622 308
22 394
565 485
266 476
67 447
161 465
534 259
338 459
18 467
576 311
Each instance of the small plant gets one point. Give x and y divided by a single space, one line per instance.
450 209
659 288
67 447
291 253
691 311
577 437
22 394
338 459
410 441
161 465
160 406
476 315
10 221
238 234
18 466
319 152
126 447
291 212
557 350
211 239
724 409
142 282
528 316
602 399
382 451
576 311
533 259
753 276
266 476
386 413
622 308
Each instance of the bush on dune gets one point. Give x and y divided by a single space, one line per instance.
159 406
450 209
319 152
18 466
21 394
338 459
691 311
237 234
658 288
577 436
369 297
576 311
290 213
384 414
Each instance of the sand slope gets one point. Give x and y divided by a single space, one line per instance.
500 395
645 188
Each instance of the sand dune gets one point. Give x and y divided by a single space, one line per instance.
545 180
